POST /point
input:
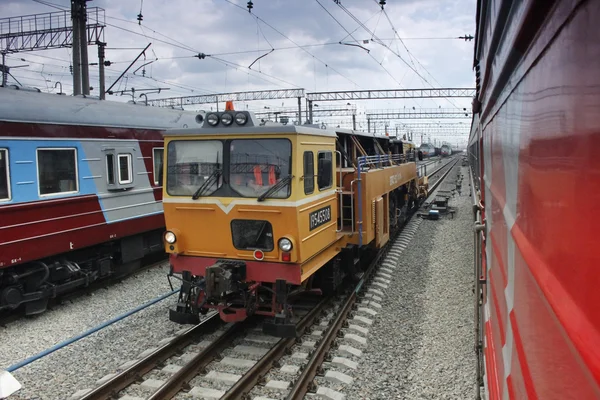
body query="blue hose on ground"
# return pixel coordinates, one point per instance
(67, 342)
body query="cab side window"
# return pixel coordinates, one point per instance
(309, 172)
(325, 177)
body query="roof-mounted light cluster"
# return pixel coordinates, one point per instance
(227, 118)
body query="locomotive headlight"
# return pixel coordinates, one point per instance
(285, 244)
(241, 118)
(212, 119)
(226, 119)
(170, 237)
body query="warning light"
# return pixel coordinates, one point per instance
(259, 255)
(229, 106)
(286, 257)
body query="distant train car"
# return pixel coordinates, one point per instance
(257, 215)
(427, 149)
(80, 191)
(446, 150)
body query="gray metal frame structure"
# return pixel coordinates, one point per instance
(45, 31)
(75, 29)
(385, 95)
(421, 113)
(179, 102)
(390, 94)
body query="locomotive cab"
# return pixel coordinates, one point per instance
(245, 204)
(253, 215)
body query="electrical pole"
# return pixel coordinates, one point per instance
(76, 48)
(83, 41)
(4, 69)
(102, 85)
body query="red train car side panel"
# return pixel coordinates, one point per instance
(541, 130)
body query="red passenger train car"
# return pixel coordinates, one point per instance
(534, 152)
(80, 191)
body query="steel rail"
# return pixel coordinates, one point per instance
(255, 374)
(180, 380)
(441, 178)
(135, 372)
(304, 382)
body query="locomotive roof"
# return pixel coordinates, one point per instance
(252, 130)
(270, 130)
(45, 108)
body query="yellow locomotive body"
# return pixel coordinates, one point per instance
(256, 214)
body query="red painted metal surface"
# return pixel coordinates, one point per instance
(541, 134)
(256, 271)
(29, 130)
(40, 229)
(66, 226)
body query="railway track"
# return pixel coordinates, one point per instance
(204, 358)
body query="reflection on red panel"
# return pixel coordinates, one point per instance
(554, 111)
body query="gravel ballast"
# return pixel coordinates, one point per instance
(80, 365)
(420, 345)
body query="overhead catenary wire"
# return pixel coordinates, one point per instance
(350, 34)
(256, 74)
(296, 44)
(412, 57)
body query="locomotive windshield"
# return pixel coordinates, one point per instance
(256, 165)
(191, 165)
(254, 168)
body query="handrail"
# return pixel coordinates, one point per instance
(359, 216)
(381, 159)
(352, 204)
(339, 189)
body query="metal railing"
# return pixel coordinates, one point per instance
(381, 160)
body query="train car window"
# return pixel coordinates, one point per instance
(257, 165)
(110, 169)
(157, 154)
(309, 172)
(252, 234)
(4, 176)
(125, 169)
(191, 163)
(325, 178)
(57, 171)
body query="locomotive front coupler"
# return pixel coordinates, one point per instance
(223, 277)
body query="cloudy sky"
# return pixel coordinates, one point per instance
(305, 36)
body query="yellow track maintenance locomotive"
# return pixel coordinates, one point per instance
(257, 213)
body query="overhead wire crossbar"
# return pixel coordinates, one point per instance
(222, 97)
(422, 113)
(47, 31)
(390, 94)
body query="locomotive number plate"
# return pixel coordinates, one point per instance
(319, 217)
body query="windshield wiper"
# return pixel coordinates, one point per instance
(279, 185)
(211, 180)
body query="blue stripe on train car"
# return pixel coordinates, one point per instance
(24, 169)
